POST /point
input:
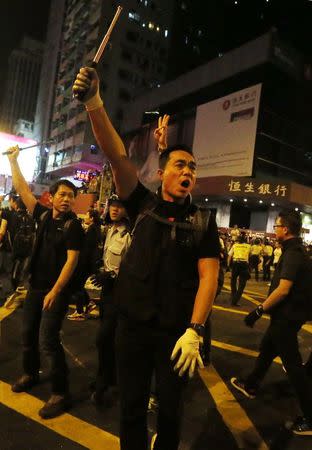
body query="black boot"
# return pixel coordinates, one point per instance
(24, 383)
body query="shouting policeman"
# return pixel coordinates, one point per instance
(167, 281)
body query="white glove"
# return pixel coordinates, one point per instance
(188, 346)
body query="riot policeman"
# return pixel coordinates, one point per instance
(166, 284)
(240, 268)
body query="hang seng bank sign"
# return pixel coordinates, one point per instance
(263, 189)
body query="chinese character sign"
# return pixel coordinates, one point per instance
(234, 186)
(262, 189)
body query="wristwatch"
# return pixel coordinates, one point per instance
(259, 310)
(199, 328)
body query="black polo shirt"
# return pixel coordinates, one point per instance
(294, 265)
(51, 253)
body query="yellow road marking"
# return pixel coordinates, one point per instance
(233, 415)
(237, 311)
(5, 312)
(77, 430)
(222, 308)
(306, 327)
(236, 349)
(247, 297)
(258, 294)
(251, 299)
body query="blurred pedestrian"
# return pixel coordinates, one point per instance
(289, 305)
(239, 256)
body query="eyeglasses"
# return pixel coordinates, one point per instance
(277, 226)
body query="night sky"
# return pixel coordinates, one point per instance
(19, 17)
(238, 22)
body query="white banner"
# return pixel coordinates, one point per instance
(225, 134)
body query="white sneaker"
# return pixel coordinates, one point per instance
(76, 316)
(20, 289)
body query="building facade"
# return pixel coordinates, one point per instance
(22, 85)
(134, 61)
(282, 162)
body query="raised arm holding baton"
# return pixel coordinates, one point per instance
(100, 50)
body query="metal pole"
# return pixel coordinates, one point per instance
(49, 141)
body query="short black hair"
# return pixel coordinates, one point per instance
(164, 156)
(20, 204)
(95, 215)
(291, 220)
(13, 197)
(54, 188)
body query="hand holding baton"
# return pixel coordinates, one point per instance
(38, 144)
(100, 50)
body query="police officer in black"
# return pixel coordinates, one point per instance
(54, 258)
(289, 305)
(166, 285)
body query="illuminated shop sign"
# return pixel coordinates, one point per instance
(84, 175)
(260, 188)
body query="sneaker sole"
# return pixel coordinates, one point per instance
(302, 433)
(76, 319)
(241, 389)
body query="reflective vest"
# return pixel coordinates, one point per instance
(256, 250)
(241, 252)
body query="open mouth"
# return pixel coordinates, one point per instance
(185, 183)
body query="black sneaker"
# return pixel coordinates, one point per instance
(308, 368)
(24, 383)
(102, 398)
(235, 302)
(302, 427)
(55, 406)
(241, 386)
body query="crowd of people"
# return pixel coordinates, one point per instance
(159, 268)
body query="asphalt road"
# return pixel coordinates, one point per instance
(215, 417)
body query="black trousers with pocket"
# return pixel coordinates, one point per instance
(105, 343)
(143, 348)
(281, 339)
(240, 272)
(44, 326)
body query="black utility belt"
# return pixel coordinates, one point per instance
(240, 261)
